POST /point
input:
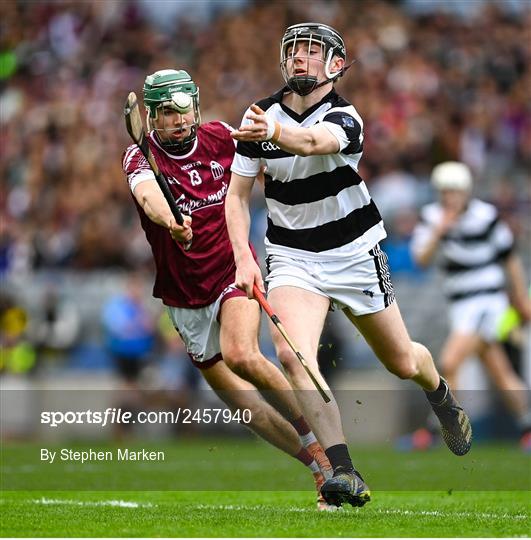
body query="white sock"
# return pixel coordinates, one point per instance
(314, 467)
(307, 439)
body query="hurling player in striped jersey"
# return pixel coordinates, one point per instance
(476, 252)
(322, 241)
(217, 322)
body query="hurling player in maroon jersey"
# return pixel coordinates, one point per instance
(217, 322)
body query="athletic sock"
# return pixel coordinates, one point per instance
(300, 425)
(308, 439)
(306, 435)
(306, 459)
(314, 467)
(339, 457)
(437, 396)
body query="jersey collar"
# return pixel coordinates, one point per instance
(308, 112)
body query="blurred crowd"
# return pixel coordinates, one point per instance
(431, 83)
(430, 86)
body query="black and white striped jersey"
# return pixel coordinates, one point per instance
(472, 252)
(318, 206)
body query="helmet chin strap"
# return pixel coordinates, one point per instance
(177, 147)
(302, 85)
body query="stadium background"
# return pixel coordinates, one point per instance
(432, 80)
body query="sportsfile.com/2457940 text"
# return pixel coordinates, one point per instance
(113, 415)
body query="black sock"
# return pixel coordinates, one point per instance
(339, 457)
(437, 396)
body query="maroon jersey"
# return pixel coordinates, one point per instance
(199, 181)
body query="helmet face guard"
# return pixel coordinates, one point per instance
(331, 44)
(175, 90)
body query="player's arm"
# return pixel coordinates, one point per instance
(238, 219)
(427, 239)
(424, 256)
(503, 240)
(313, 141)
(150, 198)
(517, 288)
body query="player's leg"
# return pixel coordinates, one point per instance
(201, 330)
(458, 347)
(240, 321)
(303, 313)
(266, 422)
(512, 388)
(386, 334)
(240, 394)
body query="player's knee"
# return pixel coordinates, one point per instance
(409, 371)
(404, 367)
(448, 369)
(288, 360)
(240, 360)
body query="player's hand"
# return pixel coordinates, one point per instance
(247, 274)
(449, 219)
(182, 233)
(261, 127)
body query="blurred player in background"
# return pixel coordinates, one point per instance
(129, 330)
(216, 321)
(477, 255)
(322, 241)
(129, 336)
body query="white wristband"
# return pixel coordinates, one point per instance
(270, 128)
(274, 130)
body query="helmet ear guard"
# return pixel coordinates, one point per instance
(331, 44)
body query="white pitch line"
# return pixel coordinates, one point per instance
(248, 507)
(438, 513)
(71, 502)
(413, 513)
(19, 469)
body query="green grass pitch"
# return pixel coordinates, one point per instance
(243, 488)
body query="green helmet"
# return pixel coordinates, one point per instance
(174, 89)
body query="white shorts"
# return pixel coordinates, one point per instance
(478, 315)
(363, 285)
(200, 328)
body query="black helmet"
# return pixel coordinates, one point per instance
(329, 40)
